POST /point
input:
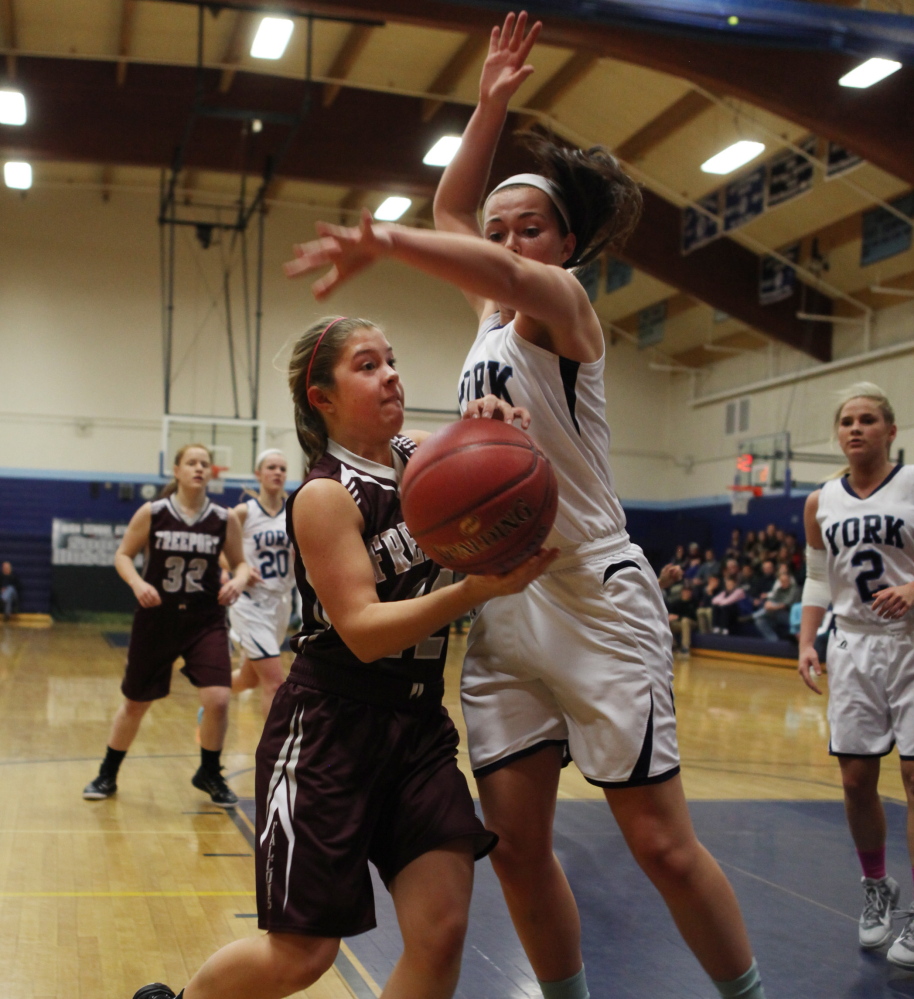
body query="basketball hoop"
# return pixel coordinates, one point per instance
(739, 501)
(216, 485)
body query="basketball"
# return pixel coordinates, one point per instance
(479, 496)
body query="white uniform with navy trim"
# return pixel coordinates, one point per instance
(260, 616)
(869, 545)
(583, 656)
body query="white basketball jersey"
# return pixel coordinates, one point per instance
(869, 543)
(567, 405)
(268, 549)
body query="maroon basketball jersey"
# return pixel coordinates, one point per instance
(182, 560)
(402, 570)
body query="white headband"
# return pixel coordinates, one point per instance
(544, 184)
(266, 454)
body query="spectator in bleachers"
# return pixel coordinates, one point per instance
(679, 557)
(704, 613)
(730, 569)
(684, 617)
(726, 606)
(710, 567)
(765, 580)
(693, 563)
(773, 618)
(10, 589)
(735, 548)
(772, 539)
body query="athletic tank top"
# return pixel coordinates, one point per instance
(869, 543)
(402, 570)
(268, 549)
(182, 558)
(567, 405)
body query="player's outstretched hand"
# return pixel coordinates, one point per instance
(894, 601)
(229, 592)
(505, 67)
(490, 407)
(147, 595)
(486, 587)
(809, 668)
(347, 249)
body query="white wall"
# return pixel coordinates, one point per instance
(80, 350)
(81, 338)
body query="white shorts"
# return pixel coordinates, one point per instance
(582, 658)
(871, 691)
(260, 622)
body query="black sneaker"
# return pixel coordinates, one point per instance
(102, 787)
(155, 991)
(214, 785)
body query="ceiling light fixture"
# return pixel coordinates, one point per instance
(272, 38)
(443, 151)
(17, 175)
(869, 72)
(392, 208)
(733, 157)
(12, 108)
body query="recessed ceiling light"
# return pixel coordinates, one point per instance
(729, 159)
(17, 175)
(392, 208)
(272, 38)
(443, 151)
(869, 72)
(12, 107)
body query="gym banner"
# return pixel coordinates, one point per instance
(840, 161)
(618, 274)
(885, 234)
(791, 173)
(744, 199)
(81, 542)
(650, 325)
(778, 280)
(699, 227)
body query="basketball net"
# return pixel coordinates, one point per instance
(216, 485)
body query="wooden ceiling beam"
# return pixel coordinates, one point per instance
(679, 114)
(569, 75)
(10, 35)
(450, 75)
(125, 38)
(235, 48)
(345, 60)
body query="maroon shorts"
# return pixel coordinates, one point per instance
(340, 782)
(160, 635)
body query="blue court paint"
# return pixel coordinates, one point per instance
(792, 865)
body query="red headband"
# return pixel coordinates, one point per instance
(338, 319)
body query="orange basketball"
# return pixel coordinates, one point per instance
(479, 496)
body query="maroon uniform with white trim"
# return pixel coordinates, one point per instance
(357, 761)
(182, 563)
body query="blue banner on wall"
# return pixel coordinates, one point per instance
(744, 199)
(884, 234)
(650, 325)
(700, 227)
(791, 173)
(839, 161)
(618, 274)
(589, 276)
(778, 280)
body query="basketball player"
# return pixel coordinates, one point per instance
(181, 612)
(588, 670)
(860, 558)
(357, 760)
(260, 616)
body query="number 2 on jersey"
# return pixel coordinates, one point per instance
(874, 572)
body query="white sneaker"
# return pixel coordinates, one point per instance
(902, 950)
(875, 926)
